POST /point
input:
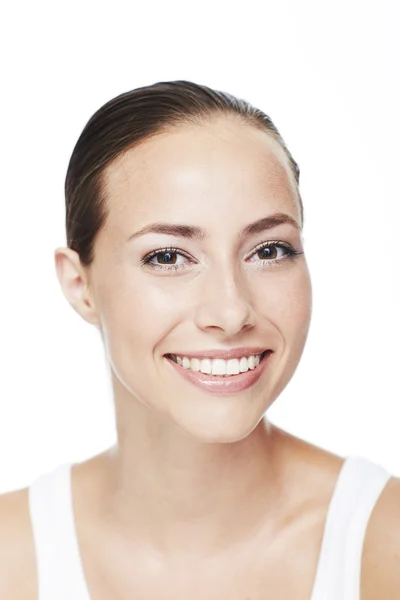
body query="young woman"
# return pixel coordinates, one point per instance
(184, 249)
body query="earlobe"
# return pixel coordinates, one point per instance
(74, 284)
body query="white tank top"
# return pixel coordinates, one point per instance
(58, 560)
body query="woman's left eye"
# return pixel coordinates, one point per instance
(268, 250)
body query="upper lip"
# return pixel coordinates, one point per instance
(224, 354)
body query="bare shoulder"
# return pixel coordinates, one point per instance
(17, 554)
(380, 571)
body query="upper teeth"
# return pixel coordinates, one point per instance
(218, 366)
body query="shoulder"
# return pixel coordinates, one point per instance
(17, 553)
(380, 570)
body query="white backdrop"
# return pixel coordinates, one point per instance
(328, 74)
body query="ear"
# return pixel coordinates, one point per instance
(73, 278)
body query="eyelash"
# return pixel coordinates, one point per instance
(291, 255)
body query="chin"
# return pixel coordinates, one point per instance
(219, 428)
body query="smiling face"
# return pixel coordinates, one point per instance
(215, 291)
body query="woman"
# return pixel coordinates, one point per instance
(184, 232)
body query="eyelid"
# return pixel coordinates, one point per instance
(172, 249)
(278, 243)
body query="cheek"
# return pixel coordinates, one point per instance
(287, 302)
(298, 309)
(137, 316)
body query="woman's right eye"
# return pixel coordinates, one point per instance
(168, 263)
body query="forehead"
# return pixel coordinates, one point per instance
(222, 157)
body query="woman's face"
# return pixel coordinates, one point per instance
(213, 293)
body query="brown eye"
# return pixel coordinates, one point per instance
(166, 259)
(168, 255)
(267, 252)
(271, 253)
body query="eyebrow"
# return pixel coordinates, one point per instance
(194, 232)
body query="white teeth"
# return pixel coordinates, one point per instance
(244, 364)
(195, 364)
(205, 366)
(218, 366)
(233, 366)
(185, 363)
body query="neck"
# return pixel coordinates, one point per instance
(179, 495)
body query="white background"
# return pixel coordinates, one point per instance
(328, 74)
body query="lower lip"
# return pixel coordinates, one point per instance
(223, 385)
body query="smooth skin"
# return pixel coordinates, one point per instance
(202, 496)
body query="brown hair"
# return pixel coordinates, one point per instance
(124, 122)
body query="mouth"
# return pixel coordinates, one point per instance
(259, 359)
(222, 384)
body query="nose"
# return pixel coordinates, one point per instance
(224, 303)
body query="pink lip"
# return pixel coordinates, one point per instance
(223, 385)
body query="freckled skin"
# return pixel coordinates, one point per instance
(196, 457)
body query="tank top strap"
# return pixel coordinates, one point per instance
(358, 487)
(58, 561)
